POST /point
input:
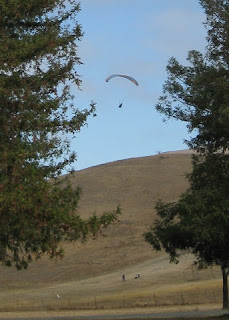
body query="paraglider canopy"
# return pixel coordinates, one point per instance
(123, 76)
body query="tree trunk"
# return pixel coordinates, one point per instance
(225, 288)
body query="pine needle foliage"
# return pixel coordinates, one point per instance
(38, 66)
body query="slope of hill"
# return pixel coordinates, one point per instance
(134, 184)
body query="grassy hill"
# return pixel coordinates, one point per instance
(95, 268)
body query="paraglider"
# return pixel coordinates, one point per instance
(123, 76)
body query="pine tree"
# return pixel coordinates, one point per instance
(38, 66)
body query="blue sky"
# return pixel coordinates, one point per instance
(136, 38)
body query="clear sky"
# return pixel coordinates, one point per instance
(136, 38)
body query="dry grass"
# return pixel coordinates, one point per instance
(90, 275)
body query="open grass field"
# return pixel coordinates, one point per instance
(89, 277)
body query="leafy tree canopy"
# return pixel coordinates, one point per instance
(217, 25)
(198, 94)
(199, 220)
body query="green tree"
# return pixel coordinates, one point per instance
(199, 221)
(198, 94)
(218, 29)
(38, 60)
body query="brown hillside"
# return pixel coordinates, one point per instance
(134, 184)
